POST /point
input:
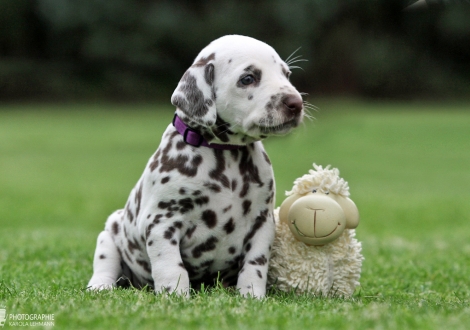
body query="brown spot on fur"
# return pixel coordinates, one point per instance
(246, 206)
(208, 245)
(266, 158)
(132, 246)
(169, 233)
(218, 172)
(144, 264)
(190, 231)
(155, 161)
(229, 227)
(181, 163)
(157, 218)
(259, 221)
(129, 214)
(234, 184)
(269, 200)
(186, 205)
(138, 198)
(201, 200)
(204, 60)
(210, 218)
(260, 261)
(213, 187)
(149, 229)
(116, 228)
(180, 145)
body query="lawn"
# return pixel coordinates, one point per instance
(63, 169)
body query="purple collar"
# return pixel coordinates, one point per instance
(192, 137)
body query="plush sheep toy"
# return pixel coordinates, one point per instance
(314, 249)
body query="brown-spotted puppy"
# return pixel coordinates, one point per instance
(203, 208)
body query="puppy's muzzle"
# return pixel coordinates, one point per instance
(293, 104)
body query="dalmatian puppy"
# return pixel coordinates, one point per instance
(203, 208)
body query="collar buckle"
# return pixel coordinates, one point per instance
(195, 139)
(192, 137)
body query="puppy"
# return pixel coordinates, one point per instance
(203, 208)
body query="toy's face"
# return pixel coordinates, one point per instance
(317, 218)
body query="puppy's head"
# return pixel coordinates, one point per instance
(238, 91)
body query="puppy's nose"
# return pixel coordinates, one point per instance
(294, 103)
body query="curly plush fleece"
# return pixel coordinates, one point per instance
(332, 270)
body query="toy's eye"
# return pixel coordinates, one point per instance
(247, 80)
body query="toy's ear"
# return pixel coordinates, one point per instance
(195, 93)
(285, 207)
(350, 211)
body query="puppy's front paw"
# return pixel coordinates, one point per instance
(184, 292)
(99, 283)
(172, 284)
(100, 287)
(251, 291)
(254, 285)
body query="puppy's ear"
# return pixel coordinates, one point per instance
(195, 93)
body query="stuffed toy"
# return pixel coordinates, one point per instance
(314, 249)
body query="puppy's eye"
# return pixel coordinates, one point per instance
(314, 190)
(247, 80)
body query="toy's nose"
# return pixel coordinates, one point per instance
(316, 219)
(322, 225)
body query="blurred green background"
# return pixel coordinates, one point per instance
(129, 50)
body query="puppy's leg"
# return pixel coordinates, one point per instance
(253, 274)
(106, 263)
(168, 271)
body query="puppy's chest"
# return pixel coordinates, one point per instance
(216, 237)
(216, 231)
(217, 207)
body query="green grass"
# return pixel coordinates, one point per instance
(63, 169)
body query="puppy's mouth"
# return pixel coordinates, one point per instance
(279, 129)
